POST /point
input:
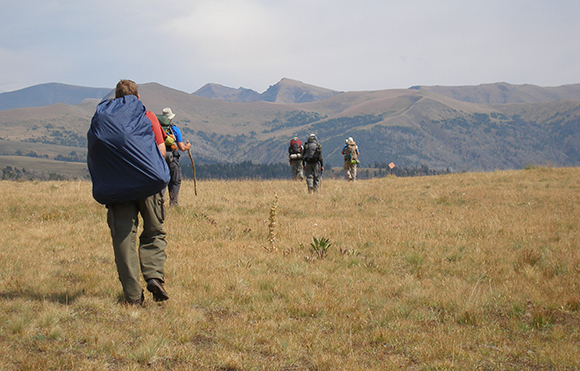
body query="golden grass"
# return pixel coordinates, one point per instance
(464, 271)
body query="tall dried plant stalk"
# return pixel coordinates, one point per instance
(272, 224)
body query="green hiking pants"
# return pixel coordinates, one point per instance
(149, 258)
(312, 174)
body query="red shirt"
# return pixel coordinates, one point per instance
(157, 130)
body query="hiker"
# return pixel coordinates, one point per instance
(350, 152)
(312, 163)
(126, 148)
(295, 158)
(173, 146)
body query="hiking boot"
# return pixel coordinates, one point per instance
(155, 286)
(138, 302)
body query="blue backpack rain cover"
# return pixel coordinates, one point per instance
(123, 158)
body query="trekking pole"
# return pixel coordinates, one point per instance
(193, 168)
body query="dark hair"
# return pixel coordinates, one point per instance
(126, 87)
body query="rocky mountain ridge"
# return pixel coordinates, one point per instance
(285, 91)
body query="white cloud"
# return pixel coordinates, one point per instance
(339, 44)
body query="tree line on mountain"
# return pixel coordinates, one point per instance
(281, 170)
(245, 170)
(72, 157)
(60, 137)
(15, 174)
(292, 119)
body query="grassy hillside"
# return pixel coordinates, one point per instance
(77, 170)
(407, 126)
(464, 271)
(50, 151)
(501, 93)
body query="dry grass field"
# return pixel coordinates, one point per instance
(473, 271)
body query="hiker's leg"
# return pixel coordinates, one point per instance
(122, 220)
(297, 170)
(175, 181)
(152, 241)
(315, 177)
(309, 173)
(346, 168)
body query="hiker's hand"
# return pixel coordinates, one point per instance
(322, 168)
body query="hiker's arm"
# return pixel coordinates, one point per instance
(179, 139)
(183, 147)
(162, 149)
(157, 132)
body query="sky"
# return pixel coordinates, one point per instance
(344, 45)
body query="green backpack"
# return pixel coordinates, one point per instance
(166, 126)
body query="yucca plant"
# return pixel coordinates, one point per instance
(319, 247)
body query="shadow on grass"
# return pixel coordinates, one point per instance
(65, 298)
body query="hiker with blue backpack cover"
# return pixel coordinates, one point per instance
(126, 149)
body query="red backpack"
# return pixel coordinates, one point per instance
(295, 146)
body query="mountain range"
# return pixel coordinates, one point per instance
(463, 128)
(285, 91)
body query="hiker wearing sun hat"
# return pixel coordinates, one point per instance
(350, 152)
(312, 163)
(172, 153)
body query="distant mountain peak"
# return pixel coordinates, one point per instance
(49, 93)
(284, 91)
(220, 92)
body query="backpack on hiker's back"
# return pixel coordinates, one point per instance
(166, 125)
(351, 153)
(123, 157)
(311, 151)
(295, 149)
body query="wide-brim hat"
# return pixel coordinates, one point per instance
(167, 112)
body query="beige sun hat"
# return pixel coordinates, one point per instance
(167, 112)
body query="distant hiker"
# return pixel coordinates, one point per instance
(312, 163)
(295, 156)
(126, 146)
(350, 152)
(174, 144)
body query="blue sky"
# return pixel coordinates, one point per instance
(343, 45)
